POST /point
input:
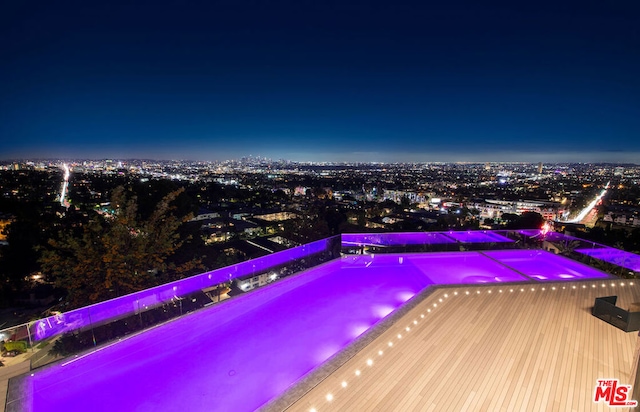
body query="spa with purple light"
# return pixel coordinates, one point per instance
(242, 353)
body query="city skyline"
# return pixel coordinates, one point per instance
(357, 158)
(344, 82)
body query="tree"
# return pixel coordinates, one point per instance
(527, 220)
(119, 252)
(19, 259)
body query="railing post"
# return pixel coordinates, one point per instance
(93, 335)
(29, 335)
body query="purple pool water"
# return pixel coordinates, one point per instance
(240, 354)
(627, 260)
(545, 266)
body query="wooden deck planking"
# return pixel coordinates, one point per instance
(526, 350)
(548, 363)
(485, 340)
(542, 363)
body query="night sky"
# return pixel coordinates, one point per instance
(321, 80)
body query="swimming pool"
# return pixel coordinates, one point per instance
(242, 353)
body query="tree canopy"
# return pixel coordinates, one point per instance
(118, 251)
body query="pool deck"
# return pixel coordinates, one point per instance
(522, 350)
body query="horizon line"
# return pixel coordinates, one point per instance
(268, 159)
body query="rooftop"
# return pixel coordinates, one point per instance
(410, 321)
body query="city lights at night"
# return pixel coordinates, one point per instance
(319, 206)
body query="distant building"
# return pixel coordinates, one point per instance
(277, 216)
(494, 209)
(629, 218)
(205, 214)
(397, 195)
(540, 168)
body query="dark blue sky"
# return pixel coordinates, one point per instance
(321, 80)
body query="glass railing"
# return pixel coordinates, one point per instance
(16, 340)
(407, 242)
(75, 331)
(604, 258)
